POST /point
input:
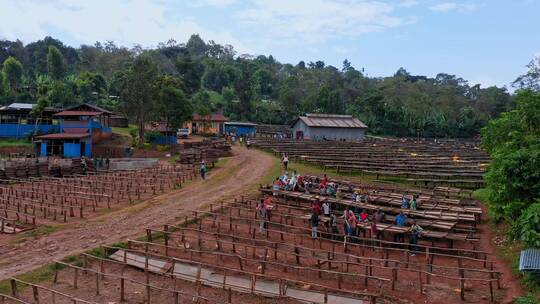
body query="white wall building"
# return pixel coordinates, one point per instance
(328, 126)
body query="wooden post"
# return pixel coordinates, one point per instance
(253, 282)
(35, 294)
(55, 273)
(97, 284)
(462, 279)
(240, 263)
(394, 278)
(122, 290)
(148, 235)
(176, 301)
(13, 288)
(75, 278)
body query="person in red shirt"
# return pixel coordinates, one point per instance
(364, 216)
(316, 206)
(268, 204)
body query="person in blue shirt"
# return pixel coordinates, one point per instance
(405, 202)
(401, 221)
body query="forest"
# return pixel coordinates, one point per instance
(174, 80)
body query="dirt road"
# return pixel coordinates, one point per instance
(237, 176)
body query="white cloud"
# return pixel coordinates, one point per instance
(125, 22)
(451, 6)
(318, 20)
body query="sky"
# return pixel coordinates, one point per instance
(488, 42)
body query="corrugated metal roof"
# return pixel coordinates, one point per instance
(76, 130)
(240, 123)
(64, 136)
(77, 113)
(529, 260)
(17, 105)
(331, 121)
(81, 107)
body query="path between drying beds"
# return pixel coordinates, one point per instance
(236, 177)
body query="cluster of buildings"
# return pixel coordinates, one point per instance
(69, 132)
(310, 126)
(72, 132)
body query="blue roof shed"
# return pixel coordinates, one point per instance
(530, 260)
(240, 128)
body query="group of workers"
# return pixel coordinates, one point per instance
(353, 223)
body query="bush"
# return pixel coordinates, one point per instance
(527, 226)
(151, 136)
(528, 299)
(133, 132)
(513, 142)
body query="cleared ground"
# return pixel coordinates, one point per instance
(239, 174)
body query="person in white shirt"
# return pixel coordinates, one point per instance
(326, 208)
(285, 161)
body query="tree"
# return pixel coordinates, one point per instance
(55, 63)
(2, 85)
(531, 80)
(347, 66)
(174, 107)
(513, 141)
(140, 92)
(191, 71)
(196, 46)
(63, 94)
(244, 88)
(13, 71)
(42, 103)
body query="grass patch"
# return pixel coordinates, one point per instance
(222, 162)
(173, 159)
(482, 195)
(35, 233)
(12, 142)
(306, 168)
(37, 276)
(125, 131)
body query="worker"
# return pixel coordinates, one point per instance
(203, 169)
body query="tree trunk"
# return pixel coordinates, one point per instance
(141, 133)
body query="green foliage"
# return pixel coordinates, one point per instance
(2, 85)
(13, 71)
(11, 142)
(140, 92)
(55, 63)
(513, 178)
(174, 107)
(531, 79)
(150, 136)
(245, 87)
(133, 132)
(528, 299)
(191, 70)
(527, 226)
